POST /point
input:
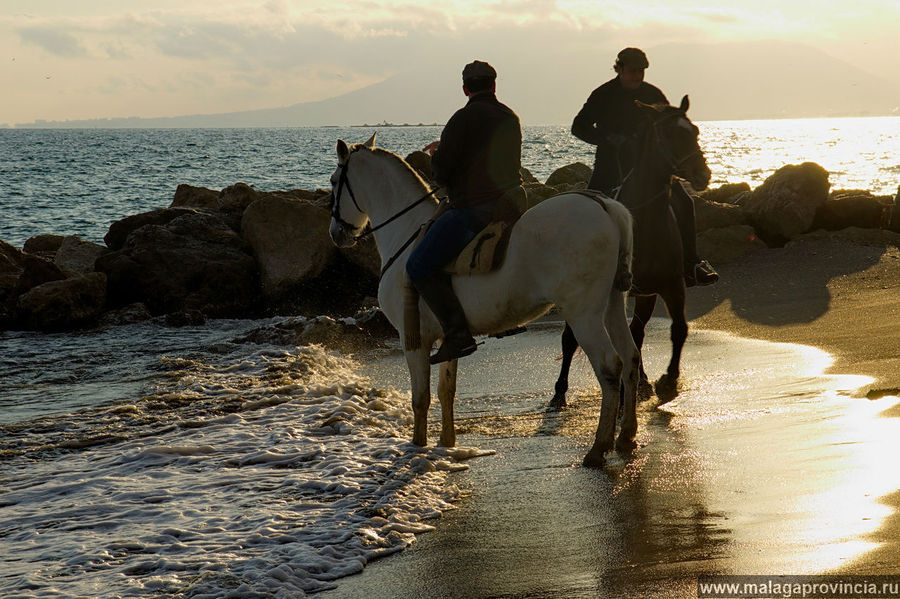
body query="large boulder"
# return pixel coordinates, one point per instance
(290, 241)
(535, 193)
(714, 215)
(192, 262)
(121, 229)
(727, 244)
(44, 245)
(785, 205)
(19, 272)
(725, 194)
(76, 257)
(571, 176)
(63, 305)
(854, 208)
(188, 196)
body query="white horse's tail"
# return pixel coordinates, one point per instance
(622, 218)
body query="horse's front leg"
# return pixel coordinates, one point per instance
(446, 395)
(643, 310)
(667, 385)
(569, 345)
(420, 383)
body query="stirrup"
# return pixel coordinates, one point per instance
(452, 349)
(701, 274)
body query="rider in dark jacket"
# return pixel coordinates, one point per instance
(478, 159)
(610, 119)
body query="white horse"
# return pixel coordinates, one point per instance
(565, 252)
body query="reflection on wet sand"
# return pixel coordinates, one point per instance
(761, 465)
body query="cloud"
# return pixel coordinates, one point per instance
(53, 40)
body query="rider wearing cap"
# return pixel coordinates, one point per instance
(478, 159)
(610, 120)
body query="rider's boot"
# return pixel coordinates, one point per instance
(700, 273)
(438, 294)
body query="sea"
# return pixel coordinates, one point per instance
(150, 461)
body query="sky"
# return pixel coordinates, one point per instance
(66, 60)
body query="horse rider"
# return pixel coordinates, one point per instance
(610, 119)
(477, 159)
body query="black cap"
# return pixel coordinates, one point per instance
(478, 70)
(634, 58)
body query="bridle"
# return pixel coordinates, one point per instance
(675, 163)
(344, 181)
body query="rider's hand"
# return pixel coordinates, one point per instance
(430, 148)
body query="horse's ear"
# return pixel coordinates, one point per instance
(685, 103)
(371, 143)
(343, 151)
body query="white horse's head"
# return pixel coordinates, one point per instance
(348, 218)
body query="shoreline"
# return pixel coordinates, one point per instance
(841, 297)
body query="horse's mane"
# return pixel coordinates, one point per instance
(405, 166)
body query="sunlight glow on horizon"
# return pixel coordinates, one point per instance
(165, 57)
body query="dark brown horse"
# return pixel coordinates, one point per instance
(667, 147)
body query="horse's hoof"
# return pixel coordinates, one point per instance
(644, 390)
(420, 441)
(594, 460)
(558, 402)
(625, 446)
(666, 388)
(447, 442)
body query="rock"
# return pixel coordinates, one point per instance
(727, 244)
(120, 230)
(20, 272)
(63, 305)
(44, 245)
(76, 257)
(236, 198)
(527, 177)
(192, 262)
(365, 255)
(185, 318)
(725, 194)
(535, 193)
(785, 205)
(713, 215)
(188, 196)
(571, 176)
(421, 163)
(290, 241)
(345, 335)
(130, 314)
(854, 209)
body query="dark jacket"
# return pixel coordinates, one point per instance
(480, 154)
(610, 111)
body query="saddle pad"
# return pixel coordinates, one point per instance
(485, 253)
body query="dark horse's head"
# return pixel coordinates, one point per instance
(675, 137)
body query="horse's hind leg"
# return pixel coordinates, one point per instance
(446, 395)
(667, 385)
(643, 310)
(569, 345)
(420, 381)
(617, 325)
(596, 343)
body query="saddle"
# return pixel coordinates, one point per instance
(485, 253)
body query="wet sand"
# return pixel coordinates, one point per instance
(763, 465)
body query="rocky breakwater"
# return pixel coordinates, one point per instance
(242, 253)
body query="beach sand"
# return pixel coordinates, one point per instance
(838, 296)
(763, 464)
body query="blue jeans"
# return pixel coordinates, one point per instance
(446, 238)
